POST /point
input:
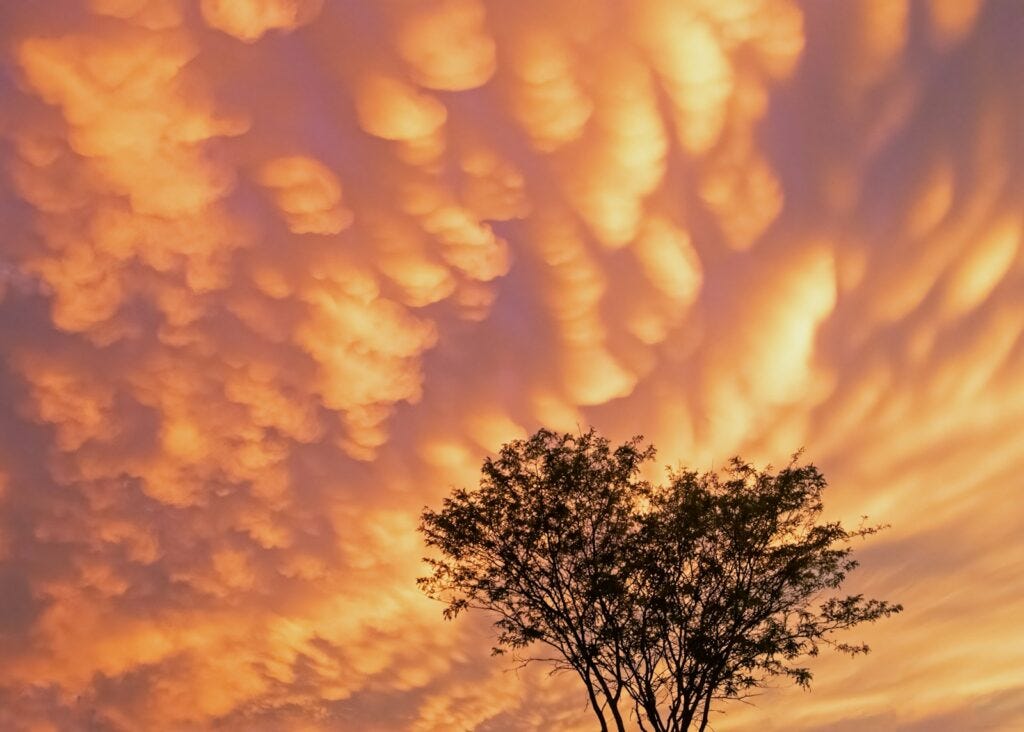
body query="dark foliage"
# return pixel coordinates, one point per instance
(663, 599)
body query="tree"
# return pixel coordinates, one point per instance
(662, 599)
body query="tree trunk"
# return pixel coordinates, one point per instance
(705, 713)
(594, 704)
(613, 705)
(687, 718)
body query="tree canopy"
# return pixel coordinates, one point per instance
(663, 599)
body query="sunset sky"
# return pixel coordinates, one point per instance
(276, 274)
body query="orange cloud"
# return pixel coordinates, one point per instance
(446, 43)
(277, 273)
(248, 20)
(307, 193)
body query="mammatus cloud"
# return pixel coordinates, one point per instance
(276, 273)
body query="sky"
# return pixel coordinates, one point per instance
(277, 274)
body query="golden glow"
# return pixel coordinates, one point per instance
(446, 44)
(248, 20)
(545, 95)
(951, 20)
(308, 194)
(277, 273)
(394, 110)
(983, 266)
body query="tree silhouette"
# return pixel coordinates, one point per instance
(662, 599)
